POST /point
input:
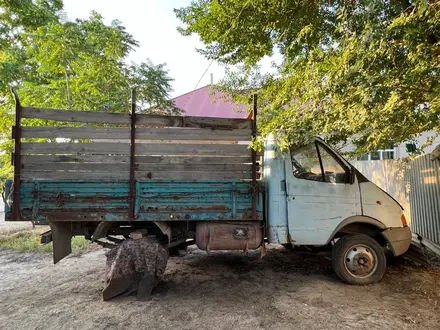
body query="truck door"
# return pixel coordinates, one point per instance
(321, 192)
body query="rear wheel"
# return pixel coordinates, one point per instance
(358, 259)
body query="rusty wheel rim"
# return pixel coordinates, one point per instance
(360, 261)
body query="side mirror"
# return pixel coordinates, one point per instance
(352, 175)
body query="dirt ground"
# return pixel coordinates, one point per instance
(10, 227)
(223, 290)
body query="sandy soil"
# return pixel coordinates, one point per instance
(223, 290)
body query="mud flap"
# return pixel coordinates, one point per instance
(134, 266)
(62, 239)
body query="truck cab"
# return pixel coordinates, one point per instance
(316, 198)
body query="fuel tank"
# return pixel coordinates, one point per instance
(229, 235)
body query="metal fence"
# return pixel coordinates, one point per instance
(424, 178)
(415, 184)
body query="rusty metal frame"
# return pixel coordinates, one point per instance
(16, 158)
(254, 160)
(132, 154)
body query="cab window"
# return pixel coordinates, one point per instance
(333, 170)
(305, 162)
(315, 162)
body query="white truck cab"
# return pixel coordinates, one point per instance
(317, 198)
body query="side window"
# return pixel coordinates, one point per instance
(333, 170)
(305, 163)
(314, 162)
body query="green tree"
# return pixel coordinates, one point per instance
(81, 64)
(364, 71)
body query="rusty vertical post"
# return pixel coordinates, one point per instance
(254, 161)
(17, 159)
(132, 153)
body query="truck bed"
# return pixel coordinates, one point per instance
(84, 168)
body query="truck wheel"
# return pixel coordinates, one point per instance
(358, 259)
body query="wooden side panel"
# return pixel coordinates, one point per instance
(106, 200)
(166, 147)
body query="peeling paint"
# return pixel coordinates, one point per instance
(156, 200)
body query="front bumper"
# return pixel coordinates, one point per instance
(399, 239)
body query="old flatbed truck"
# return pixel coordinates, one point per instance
(189, 180)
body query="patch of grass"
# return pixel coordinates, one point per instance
(28, 240)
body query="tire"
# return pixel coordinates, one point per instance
(358, 259)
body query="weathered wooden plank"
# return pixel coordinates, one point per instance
(101, 117)
(145, 133)
(29, 174)
(89, 167)
(36, 159)
(104, 167)
(141, 149)
(140, 175)
(97, 117)
(193, 175)
(76, 132)
(213, 159)
(201, 122)
(174, 133)
(193, 167)
(191, 149)
(75, 148)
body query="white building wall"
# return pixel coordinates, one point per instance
(400, 150)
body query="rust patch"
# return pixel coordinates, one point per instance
(81, 215)
(61, 199)
(216, 207)
(183, 208)
(246, 216)
(178, 196)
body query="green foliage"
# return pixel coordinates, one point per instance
(80, 64)
(28, 240)
(366, 72)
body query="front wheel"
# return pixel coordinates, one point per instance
(358, 259)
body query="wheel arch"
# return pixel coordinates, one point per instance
(360, 224)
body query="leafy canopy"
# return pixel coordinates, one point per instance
(81, 64)
(364, 71)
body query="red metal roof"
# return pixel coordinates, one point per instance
(208, 102)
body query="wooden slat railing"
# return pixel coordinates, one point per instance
(167, 147)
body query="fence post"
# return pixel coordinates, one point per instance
(132, 154)
(17, 158)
